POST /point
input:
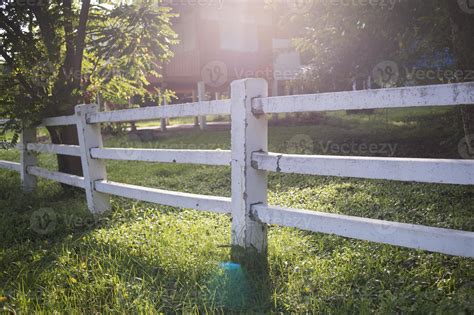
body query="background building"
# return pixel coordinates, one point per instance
(221, 41)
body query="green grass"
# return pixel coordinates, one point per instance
(146, 258)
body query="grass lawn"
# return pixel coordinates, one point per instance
(146, 258)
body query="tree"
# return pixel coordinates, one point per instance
(462, 33)
(58, 54)
(346, 41)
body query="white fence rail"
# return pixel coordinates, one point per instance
(10, 166)
(63, 149)
(220, 107)
(446, 241)
(439, 171)
(164, 197)
(421, 96)
(63, 178)
(59, 121)
(250, 162)
(204, 157)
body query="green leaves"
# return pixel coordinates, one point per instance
(50, 70)
(343, 42)
(128, 47)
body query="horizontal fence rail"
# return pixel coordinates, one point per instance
(62, 149)
(204, 157)
(63, 178)
(12, 166)
(221, 107)
(164, 197)
(432, 95)
(440, 171)
(59, 121)
(446, 241)
(250, 163)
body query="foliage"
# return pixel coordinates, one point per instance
(128, 47)
(57, 54)
(344, 42)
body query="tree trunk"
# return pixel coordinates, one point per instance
(66, 135)
(462, 30)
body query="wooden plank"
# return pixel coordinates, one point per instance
(440, 171)
(62, 149)
(445, 241)
(27, 159)
(431, 95)
(12, 166)
(204, 157)
(164, 197)
(59, 121)
(249, 186)
(220, 107)
(68, 179)
(90, 137)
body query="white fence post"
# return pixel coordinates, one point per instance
(27, 159)
(93, 169)
(202, 98)
(249, 186)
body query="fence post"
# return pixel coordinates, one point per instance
(249, 186)
(93, 169)
(27, 158)
(202, 98)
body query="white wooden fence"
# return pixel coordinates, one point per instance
(250, 162)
